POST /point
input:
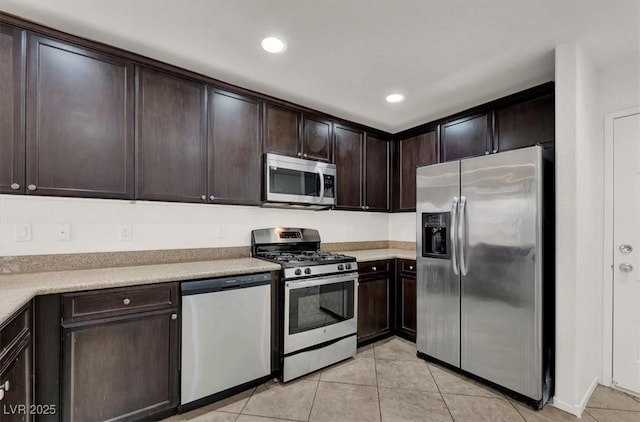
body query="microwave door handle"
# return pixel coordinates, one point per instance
(453, 235)
(319, 170)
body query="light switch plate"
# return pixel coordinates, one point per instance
(22, 232)
(63, 232)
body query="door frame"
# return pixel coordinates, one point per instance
(607, 268)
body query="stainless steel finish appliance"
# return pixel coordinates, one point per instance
(294, 181)
(485, 281)
(226, 334)
(319, 297)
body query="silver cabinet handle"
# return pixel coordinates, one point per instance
(32, 187)
(174, 316)
(1, 393)
(374, 268)
(625, 268)
(453, 238)
(462, 233)
(126, 301)
(212, 197)
(203, 197)
(6, 385)
(15, 186)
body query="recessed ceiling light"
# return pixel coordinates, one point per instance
(395, 98)
(273, 45)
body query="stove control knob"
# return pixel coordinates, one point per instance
(340, 267)
(307, 270)
(348, 266)
(298, 272)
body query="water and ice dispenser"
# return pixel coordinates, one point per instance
(435, 235)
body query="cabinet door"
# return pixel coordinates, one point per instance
(373, 307)
(417, 151)
(467, 137)
(171, 140)
(79, 121)
(525, 124)
(121, 368)
(15, 405)
(235, 162)
(12, 65)
(282, 130)
(316, 139)
(376, 174)
(407, 305)
(348, 159)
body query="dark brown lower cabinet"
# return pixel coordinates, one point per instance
(16, 351)
(375, 301)
(406, 299)
(122, 367)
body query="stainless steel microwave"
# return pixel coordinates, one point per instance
(293, 181)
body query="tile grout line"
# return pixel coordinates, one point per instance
(439, 391)
(315, 393)
(375, 367)
(516, 409)
(249, 398)
(593, 417)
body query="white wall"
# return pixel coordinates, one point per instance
(402, 226)
(579, 233)
(95, 224)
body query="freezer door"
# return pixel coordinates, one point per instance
(438, 288)
(501, 269)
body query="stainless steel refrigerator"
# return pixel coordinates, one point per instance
(485, 270)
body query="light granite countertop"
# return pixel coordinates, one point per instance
(18, 289)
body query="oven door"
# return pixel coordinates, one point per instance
(318, 310)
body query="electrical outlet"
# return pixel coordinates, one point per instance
(221, 230)
(124, 232)
(63, 232)
(22, 232)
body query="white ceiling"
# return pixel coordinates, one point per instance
(344, 56)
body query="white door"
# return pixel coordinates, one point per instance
(626, 262)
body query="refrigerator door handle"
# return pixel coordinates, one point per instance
(462, 235)
(453, 234)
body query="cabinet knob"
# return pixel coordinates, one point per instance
(495, 150)
(366, 207)
(212, 197)
(304, 155)
(203, 197)
(15, 186)
(32, 187)
(411, 267)
(299, 154)
(487, 153)
(126, 301)
(174, 316)
(374, 268)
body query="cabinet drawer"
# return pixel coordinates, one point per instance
(15, 328)
(407, 266)
(104, 303)
(373, 267)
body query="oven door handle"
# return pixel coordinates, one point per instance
(320, 281)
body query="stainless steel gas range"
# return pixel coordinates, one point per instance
(318, 299)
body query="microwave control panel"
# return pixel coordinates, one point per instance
(435, 235)
(328, 186)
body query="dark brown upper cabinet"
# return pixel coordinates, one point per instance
(171, 137)
(12, 68)
(235, 161)
(525, 124)
(417, 151)
(348, 148)
(282, 130)
(466, 137)
(80, 121)
(376, 178)
(316, 138)
(296, 134)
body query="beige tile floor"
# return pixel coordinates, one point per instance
(386, 382)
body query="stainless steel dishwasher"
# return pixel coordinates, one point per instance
(226, 335)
